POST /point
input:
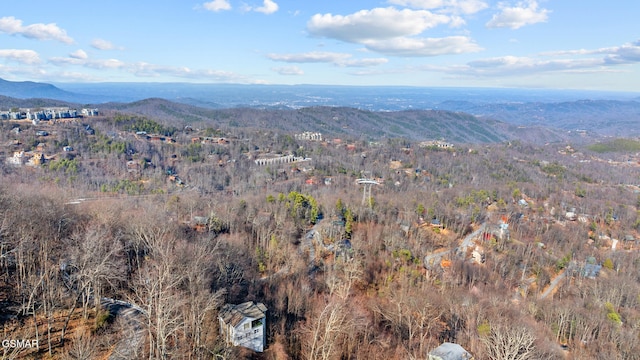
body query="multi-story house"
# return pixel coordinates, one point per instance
(244, 325)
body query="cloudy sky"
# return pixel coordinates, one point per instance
(584, 44)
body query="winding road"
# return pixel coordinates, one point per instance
(134, 334)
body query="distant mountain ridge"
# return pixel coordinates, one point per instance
(418, 125)
(7, 103)
(31, 90)
(554, 109)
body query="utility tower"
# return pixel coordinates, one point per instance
(366, 189)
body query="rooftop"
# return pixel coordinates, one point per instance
(234, 314)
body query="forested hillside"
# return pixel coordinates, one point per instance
(129, 233)
(355, 123)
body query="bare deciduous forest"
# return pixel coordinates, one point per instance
(128, 245)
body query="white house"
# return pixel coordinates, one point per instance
(244, 325)
(18, 158)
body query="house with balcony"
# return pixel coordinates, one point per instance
(244, 325)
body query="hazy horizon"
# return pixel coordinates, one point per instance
(529, 44)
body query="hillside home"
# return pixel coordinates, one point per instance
(309, 136)
(436, 144)
(478, 255)
(590, 271)
(244, 325)
(435, 223)
(449, 351)
(200, 223)
(432, 260)
(571, 216)
(629, 238)
(36, 159)
(133, 166)
(90, 112)
(17, 159)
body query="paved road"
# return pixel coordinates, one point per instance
(468, 239)
(134, 318)
(134, 333)
(555, 282)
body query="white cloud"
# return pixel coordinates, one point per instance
(29, 57)
(375, 24)
(467, 7)
(405, 46)
(102, 44)
(363, 62)
(310, 57)
(288, 70)
(106, 64)
(457, 21)
(512, 65)
(392, 32)
(268, 7)
(217, 5)
(338, 59)
(582, 61)
(89, 63)
(144, 69)
(37, 73)
(78, 54)
(61, 61)
(616, 55)
(515, 17)
(419, 4)
(139, 69)
(11, 25)
(21, 72)
(626, 54)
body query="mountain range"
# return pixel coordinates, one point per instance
(455, 114)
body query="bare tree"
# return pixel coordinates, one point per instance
(82, 347)
(95, 262)
(196, 259)
(327, 330)
(342, 275)
(510, 343)
(156, 289)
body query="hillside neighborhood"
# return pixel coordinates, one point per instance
(259, 243)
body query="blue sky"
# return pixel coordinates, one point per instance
(461, 43)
